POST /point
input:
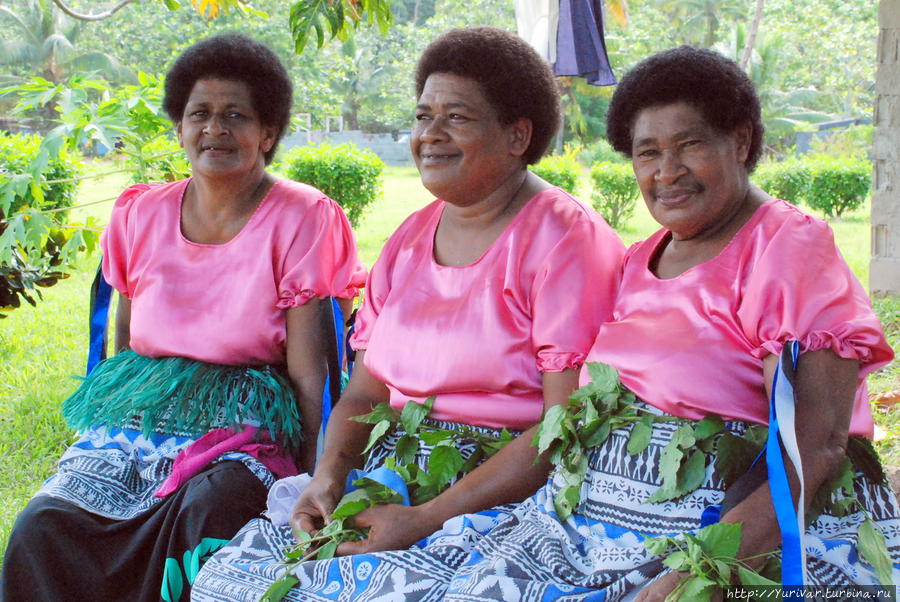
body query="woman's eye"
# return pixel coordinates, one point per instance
(233, 115)
(647, 154)
(422, 117)
(198, 114)
(457, 117)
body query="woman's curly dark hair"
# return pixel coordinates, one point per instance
(714, 85)
(513, 77)
(238, 58)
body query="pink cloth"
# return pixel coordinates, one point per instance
(478, 337)
(213, 444)
(225, 303)
(693, 344)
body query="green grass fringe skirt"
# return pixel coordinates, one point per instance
(172, 394)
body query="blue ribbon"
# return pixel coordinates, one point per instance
(97, 327)
(792, 564)
(383, 475)
(327, 402)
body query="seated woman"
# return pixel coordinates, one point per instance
(704, 309)
(487, 299)
(220, 370)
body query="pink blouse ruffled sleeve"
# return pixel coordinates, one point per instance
(801, 289)
(573, 294)
(116, 240)
(321, 261)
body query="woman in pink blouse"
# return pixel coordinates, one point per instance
(217, 385)
(487, 299)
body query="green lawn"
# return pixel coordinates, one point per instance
(42, 349)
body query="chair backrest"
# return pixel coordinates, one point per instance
(331, 320)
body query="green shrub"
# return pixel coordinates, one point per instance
(17, 151)
(22, 270)
(788, 179)
(161, 160)
(838, 184)
(349, 175)
(599, 151)
(559, 170)
(615, 191)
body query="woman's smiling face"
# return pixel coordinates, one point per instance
(221, 131)
(691, 176)
(459, 144)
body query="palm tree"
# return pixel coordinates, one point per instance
(41, 42)
(699, 20)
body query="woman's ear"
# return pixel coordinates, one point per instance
(178, 134)
(743, 135)
(268, 139)
(520, 136)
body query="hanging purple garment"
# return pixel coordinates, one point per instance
(580, 48)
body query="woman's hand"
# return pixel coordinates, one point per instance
(391, 527)
(659, 588)
(316, 504)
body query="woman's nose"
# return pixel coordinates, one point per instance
(215, 126)
(670, 167)
(432, 129)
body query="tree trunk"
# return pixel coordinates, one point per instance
(751, 36)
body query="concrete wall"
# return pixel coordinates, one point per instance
(392, 152)
(884, 272)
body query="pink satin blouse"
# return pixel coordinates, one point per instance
(225, 303)
(693, 344)
(479, 336)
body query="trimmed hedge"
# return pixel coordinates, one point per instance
(559, 170)
(787, 180)
(17, 151)
(349, 175)
(832, 185)
(615, 192)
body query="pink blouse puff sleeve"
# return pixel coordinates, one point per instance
(800, 288)
(321, 261)
(574, 292)
(117, 238)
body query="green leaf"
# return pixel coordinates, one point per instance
(377, 433)
(406, 449)
(873, 549)
(748, 577)
(708, 427)
(657, 545)
(444, 464)
(676, 560)
(604, 377)
(279, 588)
(600, 436)
(720, 539)
(566, 500)
(734, 456)
(412, 416)
(692, 473)
(352, 503)
(723, 572)
(551, 428)
(327, 551)
(639, 438)
(380, 412)
(697, 589)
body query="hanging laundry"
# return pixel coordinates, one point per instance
(580, 47)
(536, 21)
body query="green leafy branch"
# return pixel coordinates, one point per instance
(709, 560)
(445, 464)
